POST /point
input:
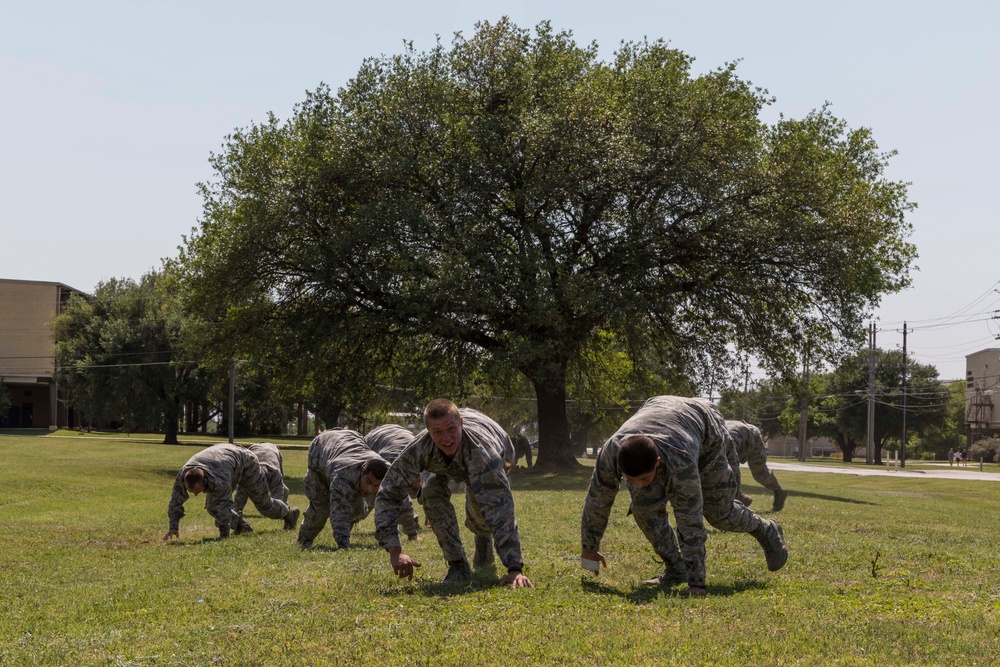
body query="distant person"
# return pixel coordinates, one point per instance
(522, 448)
(674, 449)
(748, 447)
(269, 457)
(463, 446)
(389, 441)
(218, 471)
(342, 478)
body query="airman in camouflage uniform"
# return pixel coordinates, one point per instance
(389, 441)
(748, 447)
(466, 446)
(342, 477)
(687, 466)
(269, 457)
(521, 448)
(218, 471)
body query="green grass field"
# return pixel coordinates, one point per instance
(882, 571)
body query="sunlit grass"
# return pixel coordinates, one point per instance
(883, 571)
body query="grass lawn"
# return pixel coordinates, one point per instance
(882, 571)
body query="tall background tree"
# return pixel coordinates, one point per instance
(121, 357)
(512, 196)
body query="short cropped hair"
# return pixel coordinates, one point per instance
(376, 468)
(440, 407)
(194, 476)
(637, 455)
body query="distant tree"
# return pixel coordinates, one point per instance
(512, 195)
(121, 359)
(762, 406)
(927, 400)
(5, 401)
(938, 438)
(821, 413)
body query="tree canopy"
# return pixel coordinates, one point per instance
(511, 197)
(121, 356)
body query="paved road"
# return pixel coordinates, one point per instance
(947, 472)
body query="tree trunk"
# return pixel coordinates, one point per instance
(849, 450)
(171, 419)
(554, 449)
(170, 430)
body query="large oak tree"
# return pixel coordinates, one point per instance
(513, 195)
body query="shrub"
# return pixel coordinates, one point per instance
(987, 450)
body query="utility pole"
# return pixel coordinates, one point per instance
(902, 447)
(232, 398)
(746, 389)
(870, 437)
(804, 407)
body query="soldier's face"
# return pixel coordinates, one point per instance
(446, 432)
(195, 487)
(370, 484)
(644, 480)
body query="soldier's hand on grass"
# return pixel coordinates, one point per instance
(516, 580)
(595, 556)
(402, 564)
(170, 533)
(414, 538)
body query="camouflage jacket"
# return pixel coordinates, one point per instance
(337, 456)
(223, 464)
(684, 430)
(482, 462)
(389, 441)
(269, 456)
(746, 438)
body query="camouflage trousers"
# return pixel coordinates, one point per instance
(254, 486)
(275, 485)
(757, 460)
(719, 507)
(435, 496)
(317, 489)
(718, 491)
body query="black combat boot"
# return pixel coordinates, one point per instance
(773, 541)
(458, 572)
(675, 573)
(779, 500)
(292, 518)
(744, 498)
(484, 552)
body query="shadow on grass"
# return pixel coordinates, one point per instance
(333, 548)
(759, 490)
(481, 581)
(645, 594)
(181, 542)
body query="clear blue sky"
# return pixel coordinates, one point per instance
(109, 111)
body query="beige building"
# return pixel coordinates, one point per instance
(27, 361)
(982, 385)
